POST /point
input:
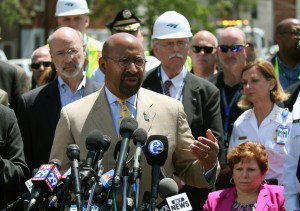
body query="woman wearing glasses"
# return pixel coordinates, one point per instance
(264, 122)
(249, 164)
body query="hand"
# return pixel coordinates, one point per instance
(206, 150)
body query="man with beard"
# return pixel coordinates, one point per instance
(200, 98)
(39, 108)
(232, 57)
(123, 62)
(203, 52)
(286, 61)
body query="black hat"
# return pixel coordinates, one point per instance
(125, 21)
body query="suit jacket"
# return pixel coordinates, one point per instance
(39, 111)
(294, 91)
(13, 169)
(157, 114)
(269, 198)
(9, 82)
(201, 103)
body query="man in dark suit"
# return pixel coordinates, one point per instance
(13, 169)
(39, 109)
(9, 82)
(294, 91)
(200, 98)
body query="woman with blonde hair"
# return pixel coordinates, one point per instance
(264, 121)
(249, 163)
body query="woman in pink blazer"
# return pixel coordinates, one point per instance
(249, 164)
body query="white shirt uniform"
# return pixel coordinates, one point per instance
(291, 183)
(246, 129)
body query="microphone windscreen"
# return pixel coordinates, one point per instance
(167, 187)
(94, 140)
(73, 151)
(128, 124)
(105, 144)
(56, 162)
(139, 135)
(156, 150)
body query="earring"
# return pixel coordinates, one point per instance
(231, 181)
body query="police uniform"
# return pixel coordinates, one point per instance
(245, 129)
(291, 166)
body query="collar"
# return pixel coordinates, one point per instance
(177, 80)
(275, 115)
(280, 63)
(111, 98)
(62, 84)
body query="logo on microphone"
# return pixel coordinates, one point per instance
(156, 147)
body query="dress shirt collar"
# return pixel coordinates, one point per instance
(111, 98)
(65, 86)
(177, 80)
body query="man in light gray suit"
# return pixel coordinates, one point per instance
(123, 62)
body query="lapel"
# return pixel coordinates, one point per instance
(262, 198)
(102, 118)
(152, 81)
(228, 198)
(189, 98)
(52, 104)
(145, 114)
(90, 87)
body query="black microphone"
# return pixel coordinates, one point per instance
(44, 181)
(128, 125)
(156, 153)
(104, 146)
(93, 145)
(167, 187)
(73, 154)
(139, 139)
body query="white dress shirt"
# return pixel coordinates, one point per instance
(246, 129)
(291, 183)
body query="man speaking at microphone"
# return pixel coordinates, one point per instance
(123, 62)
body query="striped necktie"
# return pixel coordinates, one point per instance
(124, 111)
(167, 85)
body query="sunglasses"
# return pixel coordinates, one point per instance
(206, 49)
(233, 48)
(37, 65)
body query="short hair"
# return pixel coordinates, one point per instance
(247, 151)
(50, 38)
(267, 70)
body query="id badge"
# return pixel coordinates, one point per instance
(282, 134)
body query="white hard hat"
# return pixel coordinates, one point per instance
(171, 25)
(71, 7)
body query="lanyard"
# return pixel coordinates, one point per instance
(276, 67)
(227, 109)
(179, 95)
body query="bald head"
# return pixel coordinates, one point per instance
(286, 24)
(232, 34)
(205, 36)
(65, 34)
(122, 39)
(41, 51)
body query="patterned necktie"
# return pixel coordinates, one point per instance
(167, 85)
(124, 112)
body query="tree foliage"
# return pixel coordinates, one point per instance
(15, 12)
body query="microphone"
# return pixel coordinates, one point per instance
(128, 125)
(93, 145)
(104, 146)
(73, 153)
(167, 187)
(139, 139)
(156, 153)
(44, 181)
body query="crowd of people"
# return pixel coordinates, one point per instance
(232, 120)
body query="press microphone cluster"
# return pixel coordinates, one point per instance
(85, 186)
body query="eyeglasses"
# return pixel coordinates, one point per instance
(125, 62)
(37, 65)
(233, 48)
(70, 52)
(206, 49)
(171, 45)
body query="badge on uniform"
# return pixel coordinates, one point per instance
(282, 134)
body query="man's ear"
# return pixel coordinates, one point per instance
(102, 65)
(87, 21)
